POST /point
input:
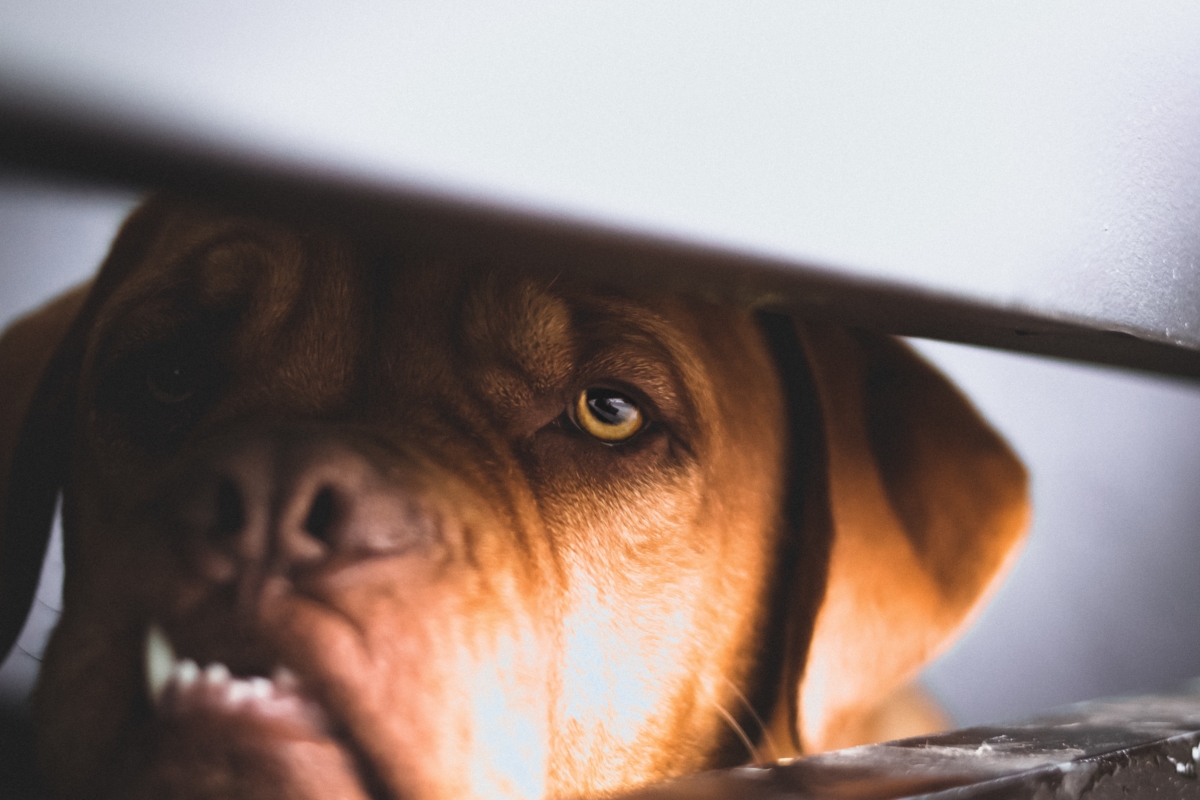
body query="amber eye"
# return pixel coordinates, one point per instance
(171, 380)
(608, 415)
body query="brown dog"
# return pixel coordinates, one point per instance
(337, 525)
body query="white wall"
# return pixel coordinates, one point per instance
(1053, 147)
(1105, 599)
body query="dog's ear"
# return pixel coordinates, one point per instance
(31, 449)
(922, 507)
(40, 358)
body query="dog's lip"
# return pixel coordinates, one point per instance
(179, 687)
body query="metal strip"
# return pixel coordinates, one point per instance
(63, 143)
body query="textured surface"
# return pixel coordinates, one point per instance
(1143, 747)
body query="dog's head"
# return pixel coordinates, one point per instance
(337, 524)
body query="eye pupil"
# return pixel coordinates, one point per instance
(608, 415)
(610, 407)
(171, 382)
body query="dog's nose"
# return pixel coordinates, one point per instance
(279, 505)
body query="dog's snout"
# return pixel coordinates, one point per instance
(230, 509)
(278, 505)
(322, 515)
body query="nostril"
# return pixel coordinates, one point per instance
(231, 513)
(322, 515)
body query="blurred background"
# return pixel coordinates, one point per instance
(1041, 157)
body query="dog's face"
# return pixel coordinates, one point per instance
(343, 526)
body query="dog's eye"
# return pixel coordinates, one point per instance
(608, 415)
(171, 380)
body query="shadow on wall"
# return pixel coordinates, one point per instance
(1102, 602)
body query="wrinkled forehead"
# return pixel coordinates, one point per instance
(200, 261)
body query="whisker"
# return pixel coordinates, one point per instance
(733, 723)
(762, 726)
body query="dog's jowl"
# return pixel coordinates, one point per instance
(345, 524)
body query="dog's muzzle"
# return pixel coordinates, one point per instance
(288, 502)
(250, 515)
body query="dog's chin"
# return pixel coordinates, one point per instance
(212, 734)
(211, 754)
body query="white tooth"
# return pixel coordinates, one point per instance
(216, 672)
(262, 688)
(159, 661)
(186, 672)
(285, 679)
(239, 690)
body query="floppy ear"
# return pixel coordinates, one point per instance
(40, 359)
(924, 507)
(32, 450)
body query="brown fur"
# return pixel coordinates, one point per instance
(503, 606)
